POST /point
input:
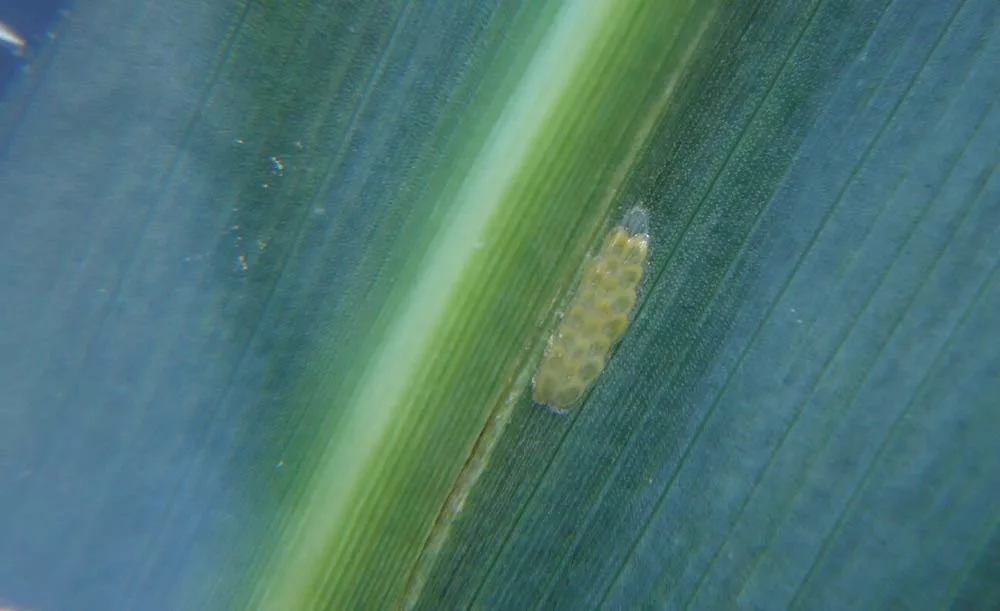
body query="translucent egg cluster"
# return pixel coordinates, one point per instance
(596, 318)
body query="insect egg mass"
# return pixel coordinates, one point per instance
(597, 315)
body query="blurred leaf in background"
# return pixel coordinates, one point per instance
(275, 277)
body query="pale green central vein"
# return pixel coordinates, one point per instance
(381, 398)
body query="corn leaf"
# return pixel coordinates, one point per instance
(277, 277)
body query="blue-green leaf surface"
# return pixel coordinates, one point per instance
(806, 409)
(211, 212)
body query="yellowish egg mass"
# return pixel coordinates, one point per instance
(597, 316)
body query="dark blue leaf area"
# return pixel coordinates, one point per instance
(806, 410)
(191, 200)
